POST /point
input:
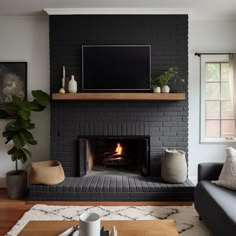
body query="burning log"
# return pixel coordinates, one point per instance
(116, 158)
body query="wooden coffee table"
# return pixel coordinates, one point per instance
(124, 227)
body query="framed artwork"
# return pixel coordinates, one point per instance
(13, 81)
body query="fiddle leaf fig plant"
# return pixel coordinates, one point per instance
(19, 130)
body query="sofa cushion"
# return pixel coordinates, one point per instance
(216, 206)
(227, 176)
(209, 171)
(223, 198)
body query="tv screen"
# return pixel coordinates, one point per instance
(116, 67)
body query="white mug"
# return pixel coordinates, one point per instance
(90, 224)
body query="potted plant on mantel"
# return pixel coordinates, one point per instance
(162, 80)
(18, 131)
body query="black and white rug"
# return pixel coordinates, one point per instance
(186, 217)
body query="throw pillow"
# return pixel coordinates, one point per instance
(227, 176)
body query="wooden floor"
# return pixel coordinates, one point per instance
(12, 210)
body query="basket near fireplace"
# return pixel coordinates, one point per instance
(174, 166)
(46, 172)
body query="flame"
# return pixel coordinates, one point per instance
(119, 149)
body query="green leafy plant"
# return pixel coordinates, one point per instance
(18, 130)
(164, 78)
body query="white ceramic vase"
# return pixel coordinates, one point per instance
(165, 89)
(72, 85)
(157, 89)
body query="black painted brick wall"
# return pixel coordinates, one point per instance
(165, 122)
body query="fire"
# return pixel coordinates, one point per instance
(119, 149)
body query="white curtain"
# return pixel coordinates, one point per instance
(232, 63)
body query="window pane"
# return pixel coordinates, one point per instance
(212, 110)
(212, 71)
(227, 127)
(227, 110)
(225, 91)
(216, 99)
(212, 128)
(212, 91)
(225, 71)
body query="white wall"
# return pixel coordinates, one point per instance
(205, 36)
(27, 39)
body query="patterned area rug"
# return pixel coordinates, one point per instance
(186, 217)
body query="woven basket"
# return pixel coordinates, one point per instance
(174, 166)
(46, 172)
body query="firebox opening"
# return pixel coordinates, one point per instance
(115, 155)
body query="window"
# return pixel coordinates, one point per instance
(217, 115)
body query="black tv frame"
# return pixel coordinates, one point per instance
(117, 90)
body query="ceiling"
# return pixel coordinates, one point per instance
(199, 8)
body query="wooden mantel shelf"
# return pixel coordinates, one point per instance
(120, 96)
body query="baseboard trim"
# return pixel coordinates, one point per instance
(2, 182)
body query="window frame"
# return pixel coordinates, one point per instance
(204, 60)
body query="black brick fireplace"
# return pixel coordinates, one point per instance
(165, 123)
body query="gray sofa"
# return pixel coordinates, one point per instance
(216, 205)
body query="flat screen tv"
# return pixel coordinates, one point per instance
(116, 67)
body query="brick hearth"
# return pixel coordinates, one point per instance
(113, 188)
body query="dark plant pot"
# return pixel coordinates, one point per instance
(16, 184)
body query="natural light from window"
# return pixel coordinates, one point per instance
(216, 100)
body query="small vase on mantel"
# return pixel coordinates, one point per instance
(72, 86)
(157, 89)
(165, 89)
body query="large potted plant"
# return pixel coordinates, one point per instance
(18, 132)
(163, 79)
